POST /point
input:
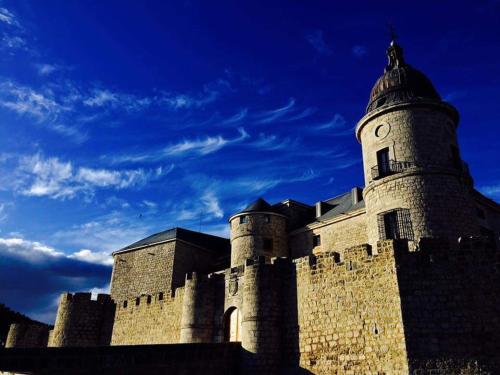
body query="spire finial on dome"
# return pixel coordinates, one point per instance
(394, 52)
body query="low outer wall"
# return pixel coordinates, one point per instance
(156, 322)
(27, 335)
(190, 359)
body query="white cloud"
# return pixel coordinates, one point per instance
(338, 121)
(272, 115)
(90, 256)
(261, 185)
(273, 142)
(96, 290)
(106, 98)
(100, 98)
(210, 93)
(14, 42)
(46, 69)
(302, 115)
(25, 100)
(212, 205)
(317, 41)
(204, 146)
(198, 146)
(149, 204)
(237, 117)
(107, 233)
(3, 214)
(32, 251)
(53, 178)
(7, 17)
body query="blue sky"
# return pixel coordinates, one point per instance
(120, 119)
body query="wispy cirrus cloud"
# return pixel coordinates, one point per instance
(337, 126)
(316, 39)
(273, 142)
(196, 146)
(6, 16)
(210, 93)
(269, 116)
(26, 101)
(51, 177)
(236, 118)
(12, 33)
(46, 69)
(41, 105)
(104, 98)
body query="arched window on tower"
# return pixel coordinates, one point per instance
(232, 325)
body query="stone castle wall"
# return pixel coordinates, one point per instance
(157, 268)
(450, 301)
(344, 232)
(149, 319)
(81, 321)
(143, 271)
(348, 316)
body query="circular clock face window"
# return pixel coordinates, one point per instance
(382, 131)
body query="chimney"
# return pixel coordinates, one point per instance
(356, 194)
(322, 208)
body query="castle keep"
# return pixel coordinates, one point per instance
(401, 276)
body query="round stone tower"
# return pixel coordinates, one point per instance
(416, 183)
(197, 309)
(258, 230)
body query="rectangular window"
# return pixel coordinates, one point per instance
(455, 157)
(395, 224)
(383, 162)
(268, 244)
(267, 218)
(243, 219)
(391, 225)
(317, 240)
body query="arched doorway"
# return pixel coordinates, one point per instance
(232, 325)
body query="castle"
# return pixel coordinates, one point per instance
(401, 276)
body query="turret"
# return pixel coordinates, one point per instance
(416, 183)
(197, 321)
(81, 321)
(258, 230)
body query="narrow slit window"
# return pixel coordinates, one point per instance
(317, 240)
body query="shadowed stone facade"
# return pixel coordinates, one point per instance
(402, 276)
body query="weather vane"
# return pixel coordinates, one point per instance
(392, 32)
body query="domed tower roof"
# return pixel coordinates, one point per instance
(400, 83)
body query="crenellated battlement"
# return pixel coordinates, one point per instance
(148, 300)
(83, 297)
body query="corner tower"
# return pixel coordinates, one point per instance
(258, 230)
(416, 184)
